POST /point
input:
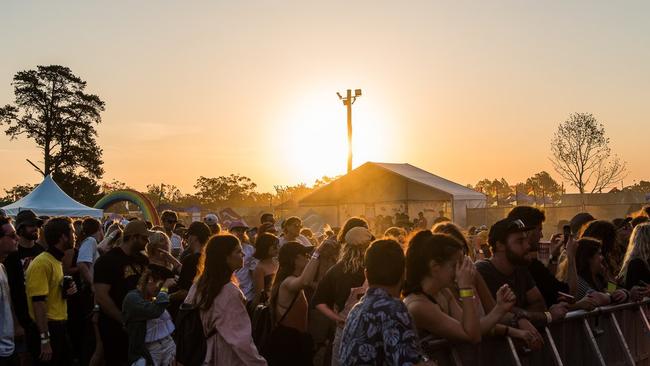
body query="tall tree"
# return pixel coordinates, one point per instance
(581, 154)
(53, 109)
(164, 193)
(17, 192)
(542, 185)
(233, 189)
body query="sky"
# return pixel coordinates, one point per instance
(465, 90)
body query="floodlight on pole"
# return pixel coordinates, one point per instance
(348, 100)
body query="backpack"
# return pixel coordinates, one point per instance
(190, 349)
(261, 324)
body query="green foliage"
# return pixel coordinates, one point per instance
(17, 192)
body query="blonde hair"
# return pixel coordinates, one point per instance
(638, 248)
(158, 240)
(352, 257)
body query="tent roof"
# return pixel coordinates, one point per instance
(387, 182)
(48, 199)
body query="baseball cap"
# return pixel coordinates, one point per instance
(291, 250)
(237, 224)
(136, 227)
(501, 229)
(358, 236)
(27, 217)
(211, 219)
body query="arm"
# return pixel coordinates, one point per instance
(136, 308)
(84, 270)
(572, 272)
(484, 294)
(428, 315)
(67, 260)
(106, 303)
(331, 314)
(295, 284)
(505, 301)
(537, 312)
(40, 313)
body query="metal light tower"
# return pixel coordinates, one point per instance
(348, 100)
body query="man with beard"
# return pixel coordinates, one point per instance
(510, 249)
(116, 273)
(47, 292)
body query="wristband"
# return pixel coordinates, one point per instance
(315, 255)
(45, 341)
(164, 289)
(466, 292)
(45, 335)
(549, 317)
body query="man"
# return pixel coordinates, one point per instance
(170, 219)
(8, 245)
(47, 292)
(291, 232)
(422, 221)
(16, 264)
(245, 274)
(267, 217)
(379, 329)
(197, 236)
(441, 218)
(510, 249)
(116, 273)
(546, 282)
(213, 223)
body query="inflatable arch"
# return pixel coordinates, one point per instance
(149, 212)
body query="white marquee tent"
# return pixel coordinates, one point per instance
(48, 199)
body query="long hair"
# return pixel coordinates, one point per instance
(451, 229)
(604, 231)
(352, 257)
(263, 243)
(352, 222)
(213, 271)
(286, 268)
(587, 249)
(639, 247)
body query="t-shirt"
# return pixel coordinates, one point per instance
(177, 244)
(188, 271)
(245, 274)
(520, 281)
(334, 289)
(7, 323)
(16, 265)
(120, 271)
(88, 252)
(637, 271)
(44, 277)
(547, 284)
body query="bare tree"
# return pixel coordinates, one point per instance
(581, 154)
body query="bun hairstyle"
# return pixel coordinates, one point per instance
(423, 248)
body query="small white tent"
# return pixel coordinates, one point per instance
(48, 199)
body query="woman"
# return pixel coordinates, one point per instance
(434, 262)
(159, 251)
(605, 232)
(266, 249)
(592, 278)
(113, 233)
(398, 234)
(148, 323)
(635, 270)
(222, 305)
(290, 344)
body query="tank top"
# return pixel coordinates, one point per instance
(297, 316)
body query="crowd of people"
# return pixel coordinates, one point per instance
(112, 293)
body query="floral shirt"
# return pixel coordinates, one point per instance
(379, 331)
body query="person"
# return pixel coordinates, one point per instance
(197, 236)
(398, 234)
(160, 257)
(441, 217)
(291, 232)
(47, 291)
(578, 221)
(635, 270)
(111, 239)
(170, 219)
(334, 289)
(116, 273)
(290, 343)
(639, 220)
(379, 330)
(91, 234)
(221, 305)
(623, 234)
(605, 231)
(266, 250)
(545, 280)
(307, 233)
(423, 223)
(510, 249)
(591, 278)
(8, 245)
(148, 324)
(267, 218)
(212, 221)
(245, 274)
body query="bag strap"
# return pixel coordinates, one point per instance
(289, 308)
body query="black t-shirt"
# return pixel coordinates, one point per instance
(334, 288)
(637, 271)
(120, 271)
(520, 281)
(188, 271)
(547, 284)
(16, 264)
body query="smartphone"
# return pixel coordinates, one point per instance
(566, 233)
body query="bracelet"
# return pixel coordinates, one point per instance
(549, 317)
(45, 341)
(315, 255)
(466, 292)
(45, 335)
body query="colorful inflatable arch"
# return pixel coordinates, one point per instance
(149, 212)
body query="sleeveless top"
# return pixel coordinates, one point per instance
(297, 316)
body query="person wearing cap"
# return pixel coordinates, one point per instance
(197, 236)
(8, 245)
(170, 219)
(291, 232)
(510, 249)
(116, 273)
(47, 293)
(334, 288)
(245, 273)
(213, 223)
(16, 264)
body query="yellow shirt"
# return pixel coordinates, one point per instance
(44, 277)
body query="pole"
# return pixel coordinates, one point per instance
(349, 107)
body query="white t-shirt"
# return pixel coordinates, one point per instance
(300, 239)
(88, 252)
(177, 242)
(245, 274)
(7, 323)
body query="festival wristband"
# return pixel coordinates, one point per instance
(466, 292)
(549, 317)
(45, 335)
(45, 341)
(164, 289)
(611, 287)
(315, 255)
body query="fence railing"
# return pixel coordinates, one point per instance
(606, 336)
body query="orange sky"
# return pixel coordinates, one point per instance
(463, 90)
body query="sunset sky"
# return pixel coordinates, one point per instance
(465, 90)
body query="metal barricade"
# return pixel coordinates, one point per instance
(607, 336)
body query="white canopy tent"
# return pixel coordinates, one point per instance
(48, 199)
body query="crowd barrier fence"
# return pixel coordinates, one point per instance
(607, 336)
